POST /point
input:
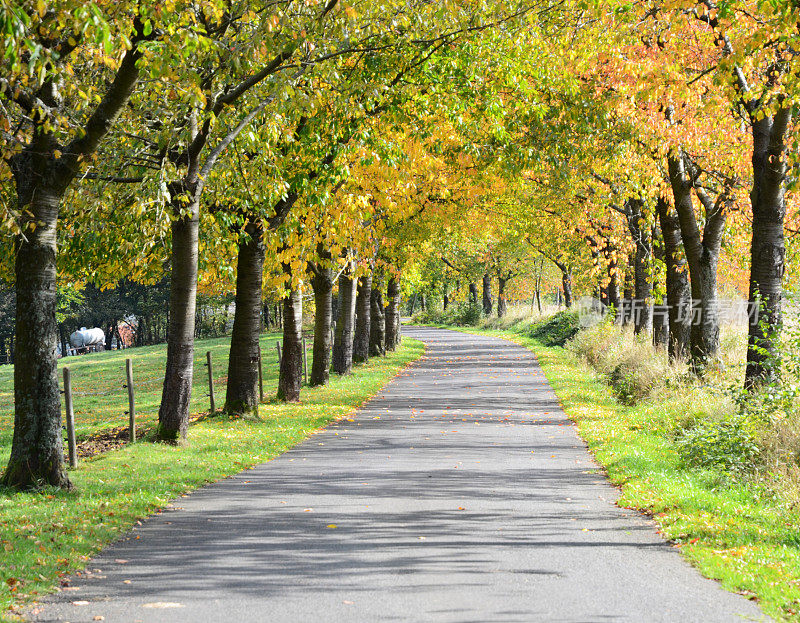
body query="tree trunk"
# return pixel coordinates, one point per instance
(487, 294)
(334, 307)
(118, 335)
(626, 300)
(62, 335)
(361, 336)
(343, 343)
(643, 287)
(603, 296)
(679, 299)
(377, 331)
(109, 335)
(242, 395)
(173, 416)
(660, 317)
(41, 178)
(291, 371)
(393, 314)
(502, 306)
(322, 283)
(768, 250)
(473, 293)
(37, 455)
(614, 300)
(702, 254)
(566, 286)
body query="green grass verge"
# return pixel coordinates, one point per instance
(45, 535)
(730, 530)
(100, 399)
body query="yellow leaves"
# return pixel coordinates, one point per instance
(272, 22)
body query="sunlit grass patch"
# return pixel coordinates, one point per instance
(100, 398)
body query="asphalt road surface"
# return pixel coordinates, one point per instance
(461, 492)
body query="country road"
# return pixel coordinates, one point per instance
(461, 492)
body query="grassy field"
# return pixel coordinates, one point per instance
(100, 399)
(44, 536)
(733, 530)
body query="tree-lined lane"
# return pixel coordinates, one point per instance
(459, 493)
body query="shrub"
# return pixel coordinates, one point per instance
(556, 330)
(466, 314)
(730, 444)
(460, 314)
(634, 369)
(429, 316)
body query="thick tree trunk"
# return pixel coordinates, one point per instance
(679, 300)
(37, 455)
(393, 315)
(41, 178)
(473, 293)
(768, 250)
(566, 286)
(377, 331)
(702, 253)
(487, 294)
(173, 416)
(291, 371)
(361, 336)
(343, 343)
(242, 395)
(322, 283)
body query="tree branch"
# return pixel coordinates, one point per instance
(100, 122)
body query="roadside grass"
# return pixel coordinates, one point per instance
(46, 535)
(731, 529)
(101, 400)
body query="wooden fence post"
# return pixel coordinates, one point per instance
(210, 383)
(131, 401)
(73, 448)
(260, 376)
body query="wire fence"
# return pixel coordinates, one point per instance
(99, 386)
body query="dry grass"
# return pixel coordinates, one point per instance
(635, 370)
(519, 317)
